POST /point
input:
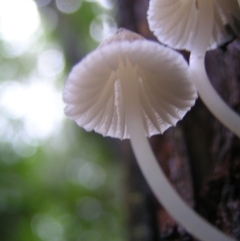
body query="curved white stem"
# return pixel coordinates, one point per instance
(207, 93)
(153, 173)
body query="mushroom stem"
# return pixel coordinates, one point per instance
(152, 172)
(197, 68)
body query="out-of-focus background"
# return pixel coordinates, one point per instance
(60, 183)
(57, 182)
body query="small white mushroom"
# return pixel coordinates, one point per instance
(95, 92)
(175, 23)
(132, 88)
(197, 25)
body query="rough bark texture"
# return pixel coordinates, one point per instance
(200, 156)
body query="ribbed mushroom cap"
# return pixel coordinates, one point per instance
(175, 22)
(93, 93)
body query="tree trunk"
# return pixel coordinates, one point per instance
(200, 156)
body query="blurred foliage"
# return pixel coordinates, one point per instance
(64, 184)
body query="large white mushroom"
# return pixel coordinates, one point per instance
(198, 25)
(96, 89)
(132, 88)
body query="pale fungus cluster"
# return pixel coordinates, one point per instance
(130, 87)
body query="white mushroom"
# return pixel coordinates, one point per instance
(175, 23)
(197, 25)
(95, 92)
(132, 88)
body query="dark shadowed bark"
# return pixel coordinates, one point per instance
(200, 156)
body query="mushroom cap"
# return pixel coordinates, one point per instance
(93, 93)
(175, 23)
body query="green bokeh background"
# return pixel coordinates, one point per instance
(67, 186)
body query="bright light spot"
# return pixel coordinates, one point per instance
(38, 104)
(18, 19)
(6, 130)
(107, 4)
(102, 27)
(89, 175)
(47, 228)
(68, 6)
(23, 145)
(14, 49)
(51, 63)
(12, 99)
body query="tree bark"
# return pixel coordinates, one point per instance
(200, 156)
